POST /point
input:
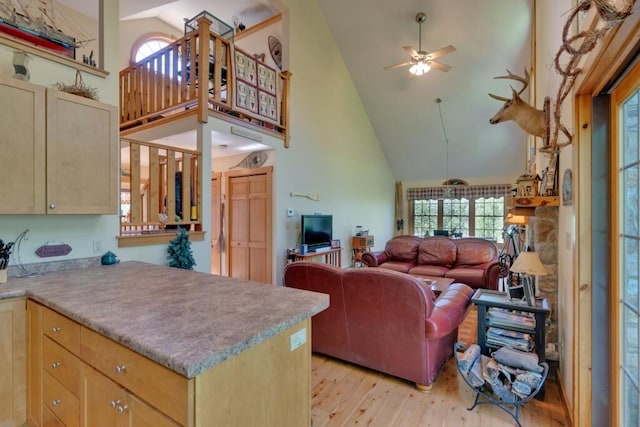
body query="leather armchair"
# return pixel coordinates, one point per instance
(383, 320)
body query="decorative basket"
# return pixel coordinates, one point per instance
(78, 88)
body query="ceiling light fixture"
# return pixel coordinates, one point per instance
(419, 68)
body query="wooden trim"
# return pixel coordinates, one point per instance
(16, 43)
(257, 27)
(583, 286)
(155, 239)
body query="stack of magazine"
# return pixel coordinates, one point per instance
(501, 324)
(510, 319)
(497, 337)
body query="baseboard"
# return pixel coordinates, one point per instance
(563, 395)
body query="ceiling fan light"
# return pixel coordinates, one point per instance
(419, 68)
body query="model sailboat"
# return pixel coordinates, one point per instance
(33, 21)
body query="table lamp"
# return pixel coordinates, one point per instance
(529, 264)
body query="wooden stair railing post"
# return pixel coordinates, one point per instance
(202, 61)
(284, 119)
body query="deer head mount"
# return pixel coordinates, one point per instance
(529, 118)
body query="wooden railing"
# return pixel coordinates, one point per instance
(164, 188)
(175, 80)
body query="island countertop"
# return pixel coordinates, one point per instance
(184, 320)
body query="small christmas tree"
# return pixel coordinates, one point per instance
(180, 255)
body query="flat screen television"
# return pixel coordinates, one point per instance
(316, 231)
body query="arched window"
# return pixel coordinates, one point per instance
(149, 44)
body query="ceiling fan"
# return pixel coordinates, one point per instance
(421, 61)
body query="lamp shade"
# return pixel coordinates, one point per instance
(516, 219)
(528, 263)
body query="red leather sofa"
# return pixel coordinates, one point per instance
(468, 260)
(383, 320)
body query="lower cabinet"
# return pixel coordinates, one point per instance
(108, 404)
(13, 374)
(78, 377)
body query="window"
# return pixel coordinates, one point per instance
(470, 210)
(481, 217)
(148, 45)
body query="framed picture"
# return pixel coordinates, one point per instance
(335, 244)
(529, 296)
(567, 188)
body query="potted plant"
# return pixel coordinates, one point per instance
(180, 254)
(5, 254)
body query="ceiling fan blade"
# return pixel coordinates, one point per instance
(410, 50)
(439, 66)
(440, 52)
(393, 67)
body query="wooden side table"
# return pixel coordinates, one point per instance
(332, 256)
(359, 245)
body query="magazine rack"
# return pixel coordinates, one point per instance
(485, 395)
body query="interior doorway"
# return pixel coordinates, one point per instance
(249, 199)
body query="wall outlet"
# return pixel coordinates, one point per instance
(97, 246)
(290, 212)
(298, 338)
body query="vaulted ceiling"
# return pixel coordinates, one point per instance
(417, 134)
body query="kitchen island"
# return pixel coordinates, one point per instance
(221, 351)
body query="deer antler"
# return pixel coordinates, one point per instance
(524, 80)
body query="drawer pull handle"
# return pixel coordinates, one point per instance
(56, 402)
(121, 368)
(122, 408)
(56, 329)
(56, 365)
(115, 403)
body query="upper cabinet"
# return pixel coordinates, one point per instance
(59, 152)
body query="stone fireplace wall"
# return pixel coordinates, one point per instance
(543, 238)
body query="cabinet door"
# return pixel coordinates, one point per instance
(143, 415)
(22, 147)
(100, 401)
(13, 371)
(82, 155)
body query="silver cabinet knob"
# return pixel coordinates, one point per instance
(114, 403)
(56, 402)
(56, 365)
(122, 409)
(56, 329)
(121, 368)
(52, 206)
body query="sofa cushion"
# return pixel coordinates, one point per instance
(473, 277)
(403, 248)
(475, 252)
(437, 251)
(402, 267)
(429, 270)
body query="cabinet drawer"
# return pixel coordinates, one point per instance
(61, 329)
(154, 383)
(61, 364)
(60, 401)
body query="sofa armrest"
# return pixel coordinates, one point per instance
(374, 259)
(492, 274)
(449, 311)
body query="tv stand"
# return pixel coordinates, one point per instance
(327, 255)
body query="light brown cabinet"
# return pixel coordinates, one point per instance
(59, 152)
(12, 362)
(267, 384)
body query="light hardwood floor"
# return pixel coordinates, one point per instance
(344, 394)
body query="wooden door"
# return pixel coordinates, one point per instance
(22, 147)
(217, 239)
(82, 155)
(139, 414)
(249, 197)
